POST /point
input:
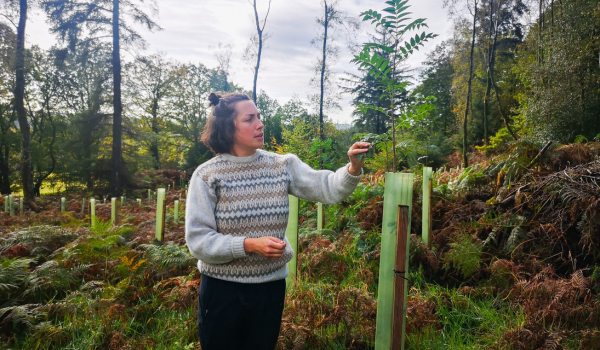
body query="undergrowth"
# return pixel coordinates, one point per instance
(514, 265)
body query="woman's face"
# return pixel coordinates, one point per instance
(248, 136)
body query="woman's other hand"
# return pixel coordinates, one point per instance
(355, 164)
(268, 247)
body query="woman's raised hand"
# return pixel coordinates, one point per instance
(356, 149)
(269, 247)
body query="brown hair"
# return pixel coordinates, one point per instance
(218, 131)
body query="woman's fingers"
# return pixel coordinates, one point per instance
(355, 150)
(269, 247)
(276, 248)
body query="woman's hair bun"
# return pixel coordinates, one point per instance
(214, 99)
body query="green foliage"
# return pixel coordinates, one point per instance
(374, 139)
(105, 242)
(167, 257)
(52, 278)
(13, 273)
(319, 154)
(498, 143)
(464, 255)
(570, 107)
(461, 321)
(383, 66)
(468, 179)
(580, 139)
(302, 139)
(39, 240)
(23, 317)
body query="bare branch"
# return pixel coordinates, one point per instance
(267, 15)
(13, 23)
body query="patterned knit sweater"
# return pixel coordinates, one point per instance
(233, 198)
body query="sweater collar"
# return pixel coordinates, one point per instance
(248, 159)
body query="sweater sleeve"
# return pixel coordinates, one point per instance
(201, 236)
(320, 185)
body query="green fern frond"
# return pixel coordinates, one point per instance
(51, 278)
(13, 273)
(168, 256)
(23, 317)
(40, 240)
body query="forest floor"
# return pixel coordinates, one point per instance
(514, 264)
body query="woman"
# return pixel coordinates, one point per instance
(236, 217)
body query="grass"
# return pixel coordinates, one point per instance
(143, 296)
(464, 323)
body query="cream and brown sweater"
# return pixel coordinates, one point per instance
(233, 198)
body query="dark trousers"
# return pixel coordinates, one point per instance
(235, 315)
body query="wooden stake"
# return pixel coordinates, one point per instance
(430, 223)
(291, 232)
(400, 283)
(160, 214)
(398, 191)
(320, 219)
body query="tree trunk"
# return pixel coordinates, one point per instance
(117, 160)
(260, 44)
(491, 77)
(486, 100)
(26, 171)
(326, 25)
(540, 58)
(4, 171)
(154, 126)
(465, 159)
(43, 176)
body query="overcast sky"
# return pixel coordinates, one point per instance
(193, 29)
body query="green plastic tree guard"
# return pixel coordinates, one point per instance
(149, 195)
(92, 210)
(63, 204)
(122, 200)
(11, 205)
(319, 216)
(426, 231)
(176, 212)
(139, 202)
(398, 191)
(113, 210)
(291, 232)
(21, 200)
(83, 205)
(160, 214)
